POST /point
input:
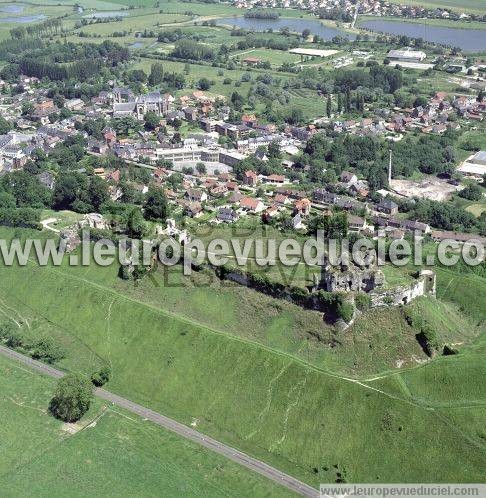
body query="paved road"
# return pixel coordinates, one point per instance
(184, 431)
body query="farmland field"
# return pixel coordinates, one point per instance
(299, 417)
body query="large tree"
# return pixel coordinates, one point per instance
(5, 126)
(136, 226)
(152, 120)
(156, 206)
(72, 398)
(97, 192)
(156, 76)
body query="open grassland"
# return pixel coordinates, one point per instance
(465, 290)
(303, 419)
(275, 57)
(109, 452)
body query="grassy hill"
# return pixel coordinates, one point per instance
(109, 452)
(303, 417)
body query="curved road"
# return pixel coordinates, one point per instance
(167, 423)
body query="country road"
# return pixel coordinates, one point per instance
(237, 456)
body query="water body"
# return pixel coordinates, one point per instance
(23, 19)
(102, 15)
(469, 40)
(12, 9)
(136, 45)
(295, 25)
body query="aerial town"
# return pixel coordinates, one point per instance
(242, 248)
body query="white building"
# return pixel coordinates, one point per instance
(407, 55)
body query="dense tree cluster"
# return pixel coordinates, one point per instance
(255, 40)
(51, 26)
(261, 14)
(447, 216)
(368, 156)
(191, 50)
(173, 35)
(15, 46)
(169, 80)
(22, 189)
(79, 192)
(69, 61)
(431, 154)
(473, 192)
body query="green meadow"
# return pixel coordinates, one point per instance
(109, 452)
(185, 353)
(475, 6)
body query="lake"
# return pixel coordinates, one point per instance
(23, 19)
(469, 40)
(295, 25)
(12, 9)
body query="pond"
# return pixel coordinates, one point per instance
(102, 15)
(136, 45)
(295, 25)
(469, 40)
(24, 19)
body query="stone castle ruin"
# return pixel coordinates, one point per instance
(347, 277)
(367, 277)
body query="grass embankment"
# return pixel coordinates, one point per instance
(295, 416)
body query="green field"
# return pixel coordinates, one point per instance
(301, 418)
(476, 6)
(109, 452)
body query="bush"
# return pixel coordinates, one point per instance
(6, 330)
(427, 336)
(46, 349)
(102, 377)
(362, 301)
(14, 338)
(472, 192)
(345, 310)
